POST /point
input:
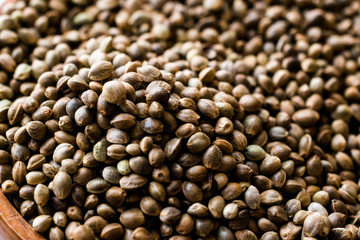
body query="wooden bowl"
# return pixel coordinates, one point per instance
(12, 225)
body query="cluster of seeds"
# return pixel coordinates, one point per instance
(196, 119)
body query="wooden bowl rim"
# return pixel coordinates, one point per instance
(12, 225)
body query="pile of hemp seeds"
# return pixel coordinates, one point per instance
(180, 120)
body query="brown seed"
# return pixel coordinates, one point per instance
(212, 157)
(100, 71)
(114, 92)
(157, 191)
(19, 152)
(245, 234)
(77, 84)
(63, 151)
(42, 223)
(149, 73)
(96, 223)
(156, 157)
(270, 164)
(231, 191)
(115, 196)
(224, 145)
(19, 172)
(36, 130)
(35, 177)
(265, 225)
(313, 224)
(152, 126)
(306, 145)
(9, 187)
(56, 233)
(250, 103)
(90, 98)
(160, 95)
(270, 197)
(170, 215)
(41, 194)
(192, 192)
(198, 142)
(306, 117)
(112, 231)
(188, 116)
(277, 214)
(185, 224)
(238, 140)
(198, 63)
(292, 207)
(97, 186)
(207, 75)
(132, 218)
(141, 233)
(196, 173)
(64, 137)
(216, 206)
(230, 211)
(150, 206)
(15, 113)
(252, 197)
(62, 185)
(289, 231)
(198, 210)
(111, 174)
(224, 126)
(252, 125)
(208, 108)
(116, 151)
(344, 161)
(132, 182)
(117, 136)
(83, 232)
(123, 121)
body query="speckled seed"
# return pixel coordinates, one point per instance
(97, 186)
(114, 92)
(62, 185)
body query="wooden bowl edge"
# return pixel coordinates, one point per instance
(13, 225)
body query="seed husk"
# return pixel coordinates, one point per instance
(252, 197)
(306, 117)
(96, 223)
(82, 232)
(114, 92)
(313, 224)
(216, 206)
(270, 197)
(132, 218)
(62, 185)
(254, 152)
(100, 71)
(42, 223)
(112, 231)
(41, 194)
(97, 186)
(35, 177)
(198, 142)
(132, 182)
(212, 157)
(289, 231)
